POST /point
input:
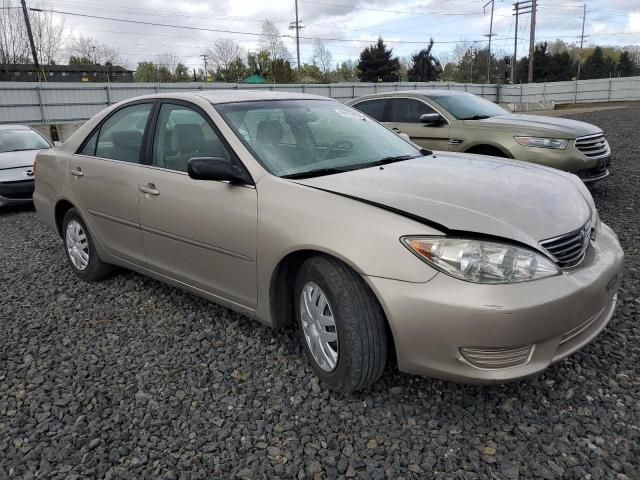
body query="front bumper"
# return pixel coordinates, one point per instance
(467, 332)
(16, 193)
(569, 160)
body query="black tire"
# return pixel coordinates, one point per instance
(96, 269)
(360, 324)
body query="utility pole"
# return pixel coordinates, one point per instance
(584, 17)
(206, 75)
(297, 27)
(520, 8)
(490, 35)
(25, 11)
(532, 39)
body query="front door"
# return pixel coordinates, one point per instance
(403, 116)
(202, 233)
(103, 177)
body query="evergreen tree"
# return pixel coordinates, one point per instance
(597, 66)
(377, 63)
(425, 67)
(626, 68)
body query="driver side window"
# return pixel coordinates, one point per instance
(182, 134)
(406, 110)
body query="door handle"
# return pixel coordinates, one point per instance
(150, 188)
(77, 172)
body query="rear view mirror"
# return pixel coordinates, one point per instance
(215, 168)
(431, 119)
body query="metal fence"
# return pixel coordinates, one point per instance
(34, 103)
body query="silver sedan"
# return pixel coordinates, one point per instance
(19, 146)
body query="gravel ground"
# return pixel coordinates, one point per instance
(130, 378)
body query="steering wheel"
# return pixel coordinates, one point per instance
(348, 145)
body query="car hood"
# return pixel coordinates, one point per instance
(561, 127)
(23, 158)
(463, 193)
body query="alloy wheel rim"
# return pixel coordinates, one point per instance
(77, 245)
(319, 326)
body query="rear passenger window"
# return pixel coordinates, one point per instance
(120, 137)
(373, 108)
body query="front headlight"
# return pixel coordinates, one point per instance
(480, 261)
(540, 142)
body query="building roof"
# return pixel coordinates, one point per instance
(27, 67)
(255, 79)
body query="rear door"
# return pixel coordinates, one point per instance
(402, 115)
(202, 233)
(103, 176)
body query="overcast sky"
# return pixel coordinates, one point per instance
(405, 24)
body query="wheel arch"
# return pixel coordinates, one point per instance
(60, 210)
(281, 297)
(479, 147)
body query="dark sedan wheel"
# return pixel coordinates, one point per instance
(80, 250)
(342, 325)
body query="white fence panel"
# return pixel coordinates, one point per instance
(30, 102)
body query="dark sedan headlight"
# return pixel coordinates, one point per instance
(481, 261)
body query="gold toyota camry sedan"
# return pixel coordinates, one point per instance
(297, 209)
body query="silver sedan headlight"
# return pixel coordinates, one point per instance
(541, 142)
(480, 261)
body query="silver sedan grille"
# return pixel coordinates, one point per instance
(593, 146)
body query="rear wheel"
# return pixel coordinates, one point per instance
(342, 325)
(80, 249)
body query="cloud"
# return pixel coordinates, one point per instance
(359, 21)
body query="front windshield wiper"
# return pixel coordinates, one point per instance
(330, 171)
(476, 117)
(392, 159)
(316, 173)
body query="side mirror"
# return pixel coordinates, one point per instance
(215, 168)
(431, 119)
(404, 136)
(57, 143)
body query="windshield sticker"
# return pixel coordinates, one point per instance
(352, 114)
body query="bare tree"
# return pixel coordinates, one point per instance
(168, 60)
(89, 50)
(271, 41)
(322, 57)
(47, 35)
(14, 45)
(223, 54)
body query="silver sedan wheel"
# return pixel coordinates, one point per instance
(319, 326)
(77, 245)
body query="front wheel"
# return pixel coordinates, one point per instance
(80, 249)
(342, 326)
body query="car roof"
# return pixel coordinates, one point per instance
(14, 126)
(233, 95)
(440, 92)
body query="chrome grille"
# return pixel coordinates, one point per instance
(497, 357)
(568, 250)
(594, 146)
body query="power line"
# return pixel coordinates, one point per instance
(352, 7)
(238, 32)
